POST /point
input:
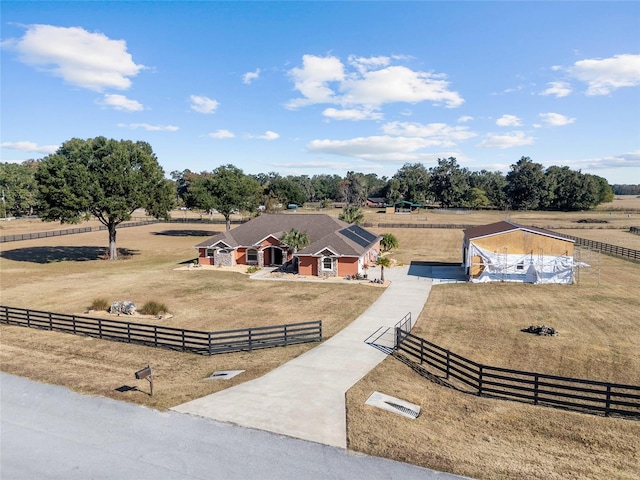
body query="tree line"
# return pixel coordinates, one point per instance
(108, 180)
(227, 189)
(527, 186)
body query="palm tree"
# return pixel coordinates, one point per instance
(352, 214)
(383, 262)
(295, 240)
(388, 242)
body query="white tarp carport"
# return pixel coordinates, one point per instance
(526, 268)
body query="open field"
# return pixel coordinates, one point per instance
(484, 438)
(622, 213)
(599, 338)
(65, 274)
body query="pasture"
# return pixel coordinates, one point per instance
(65, 274)
(599, 339)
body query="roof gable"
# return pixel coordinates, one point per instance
(498, 228)
(323, 231)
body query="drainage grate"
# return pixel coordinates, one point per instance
(394, 405)
(405, 410)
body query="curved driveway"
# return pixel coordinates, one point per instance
(305, 398)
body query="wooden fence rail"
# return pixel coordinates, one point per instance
(454, 226)
(622, 252)
(626, 253)
(204, 343)
(137, 223)
(540, 389)
(68, 231)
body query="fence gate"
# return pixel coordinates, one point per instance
(587, 270)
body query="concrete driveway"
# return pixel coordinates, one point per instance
(305, 398)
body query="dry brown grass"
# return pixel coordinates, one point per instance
(459, 433)
(621, 238)
(455, 432)
(97, 367)
(598, 330)
(487, 439)
(62, 274)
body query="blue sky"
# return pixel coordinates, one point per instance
(309, 88)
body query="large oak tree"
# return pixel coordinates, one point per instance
(104, 178)
(226, 189)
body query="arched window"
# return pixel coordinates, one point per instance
(252, 255)
(327, 263)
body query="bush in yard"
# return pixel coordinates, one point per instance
(153, 308)
(99, 304)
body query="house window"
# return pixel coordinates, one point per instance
(252, 255)
(210, 252)
(327, 263)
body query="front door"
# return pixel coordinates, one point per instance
(276, 256)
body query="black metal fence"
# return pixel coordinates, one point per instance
(203, 343)
(550, 390)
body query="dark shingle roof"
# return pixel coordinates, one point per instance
(323, 231)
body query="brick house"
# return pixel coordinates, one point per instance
(336, 248)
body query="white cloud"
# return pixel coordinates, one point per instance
(624, 160)
(362, 64)
(371, 83)
(556, 119)
(465, 118)
(606, 75)
(150, 128)
(398, 84)
(352, 114)
(312, 80)
(268, 135)
(376, 148)
(202, 104)
(557, 89)
(120, 102)
(440, 134)
(222, 133)
(26, 146)
(249, 77)
(513, 139)
(508, 121)
(325, 166)
(85, 59)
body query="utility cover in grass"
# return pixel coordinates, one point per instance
(393, 404)
(224, 374)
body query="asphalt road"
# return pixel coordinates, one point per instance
(50, 432)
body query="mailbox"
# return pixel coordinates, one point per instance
(143, 373)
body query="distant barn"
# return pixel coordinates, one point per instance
(508, 252)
